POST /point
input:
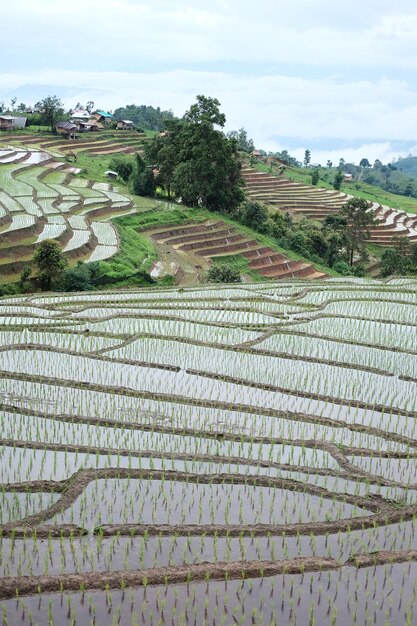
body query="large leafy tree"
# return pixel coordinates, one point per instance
(50, 263)
(197, 161)
(358, 221)
(51, 109)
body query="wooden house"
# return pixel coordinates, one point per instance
(66, 129)
(125, 125)
(10, 122)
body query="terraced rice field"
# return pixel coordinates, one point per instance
(306, 200)
(41, 198)
(127, 142)
(241, 454)
(218, 239)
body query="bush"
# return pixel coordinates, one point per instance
(253, 215)
(9, 290)
(341, 267)
(223, 274)
(123, 166)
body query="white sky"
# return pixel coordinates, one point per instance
(317, 71)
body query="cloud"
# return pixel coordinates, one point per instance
(127, 34)
(267, 106)
(300, 68)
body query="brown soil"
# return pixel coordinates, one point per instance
(29, 585)
(13, 587)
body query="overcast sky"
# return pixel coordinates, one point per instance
(337, 78)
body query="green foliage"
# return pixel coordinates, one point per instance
(223, 274)
(142, 179)
(401, 259)
(315, 177)
(123, 165)
(9, 290)
(24, 278)
(307, 158)
(359, 219)
(338, 180)
(285, 157)
(408, 165)
(243, 142)
(79, 277)
(52, 108)
(50, 263)
(146, 117)
(343, 268)
(364, 163)
(253, 215)
(197, 161)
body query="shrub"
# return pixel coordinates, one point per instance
(223, 274)
(341, 267)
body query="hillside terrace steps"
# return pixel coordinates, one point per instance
(178, 231)
(229, 249)
(309, 201)
(212, 242)
(178, 242)
(203, 240)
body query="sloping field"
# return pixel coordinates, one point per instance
(224, 455)
(306, 200)
(44, 199)
(218, 239)
(92, 143)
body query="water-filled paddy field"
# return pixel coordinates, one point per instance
(207, 456)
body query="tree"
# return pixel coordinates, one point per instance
(315, 177)
(223, 274)
(79, 277)
(329, 163)
(307, 158)
(391, 262)
(286, 158)
(123, 165)
(338, 180)
(364, 163)
(51, 109)
(197, 161)
(377, 164)
(359, 219)
(163, 152)
(145, 117)
(253, 214)
(409, 190)
(50, 263)
(205, 112)
(241, 136)
(143, 179)
(24, 277)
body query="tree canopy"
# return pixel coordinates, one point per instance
(196, 160)
(51, 109)
(50, 263)
(144, 116)
(358, 221)
(243, 142)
